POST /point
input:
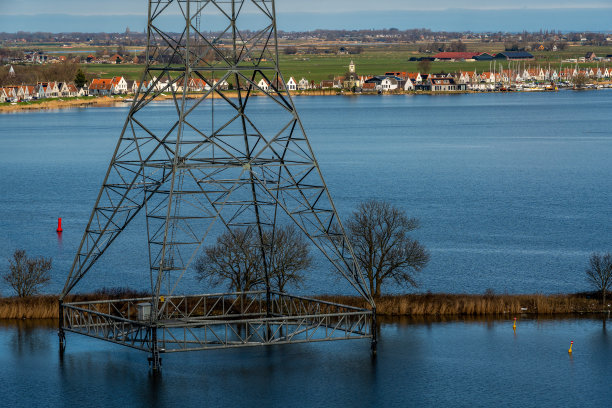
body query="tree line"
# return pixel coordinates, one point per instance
(32, 74)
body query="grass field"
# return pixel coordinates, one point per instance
(326, 66)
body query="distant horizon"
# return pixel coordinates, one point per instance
(511, 20)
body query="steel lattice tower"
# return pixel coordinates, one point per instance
(214, 162)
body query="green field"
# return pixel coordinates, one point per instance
(371, 62)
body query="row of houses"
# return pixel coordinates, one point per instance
(390, 81)
(534, 75)
(41, 90)
(121, 86)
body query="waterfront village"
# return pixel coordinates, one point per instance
(518, 74)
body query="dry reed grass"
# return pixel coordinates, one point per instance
(436, 304)
(429, 304)
(46, 306)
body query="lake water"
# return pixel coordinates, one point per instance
(455, 363)
(512, 190)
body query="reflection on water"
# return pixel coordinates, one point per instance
(28, 336)
(420, 362)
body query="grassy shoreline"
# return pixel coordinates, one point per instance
(425, 304)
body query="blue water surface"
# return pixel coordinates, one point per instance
(455, 363)
(512, 190)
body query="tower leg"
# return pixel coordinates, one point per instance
(60, 331)
(155, 360)
(374, 343)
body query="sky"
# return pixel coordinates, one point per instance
(298, 15)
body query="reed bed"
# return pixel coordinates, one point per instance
(428, 304)
(436, 304)
(47, 306)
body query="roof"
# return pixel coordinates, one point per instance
(443, 81)
(515, 54)
(456, 55)
(101, 84)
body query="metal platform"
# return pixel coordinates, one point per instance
(213, 321)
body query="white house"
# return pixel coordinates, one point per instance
(263, 84)
(554, 75)
(49, 89)
(16, 92)
(220, 84)
(408, 85)
(135, 87)
(8, 95)
(303, 84)
(291, 85)
(198, 85)
(29, 92)
(465, 77)
(388, 84)
(119, 85)
(67, 90)
(155, 85)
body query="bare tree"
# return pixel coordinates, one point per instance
(379, 235)
(237, 259)
(27, 275)
(288, 255)
(599, 273)
(232, 260)
(580, 80)
(424, 66)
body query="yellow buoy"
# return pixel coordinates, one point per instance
(514, 325)
(570, 349)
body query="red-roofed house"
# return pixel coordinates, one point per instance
(119, 85)
(101, 86)
(369, 87)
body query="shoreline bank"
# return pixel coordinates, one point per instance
(105, 101)
(424, 304)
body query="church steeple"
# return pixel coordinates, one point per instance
(352, 67)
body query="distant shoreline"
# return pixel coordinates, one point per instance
(105, 101)
(424, 304)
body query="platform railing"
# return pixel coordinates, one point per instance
(211, 321)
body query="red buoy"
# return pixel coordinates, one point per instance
(59, 225)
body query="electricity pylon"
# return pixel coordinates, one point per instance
(219, 161)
